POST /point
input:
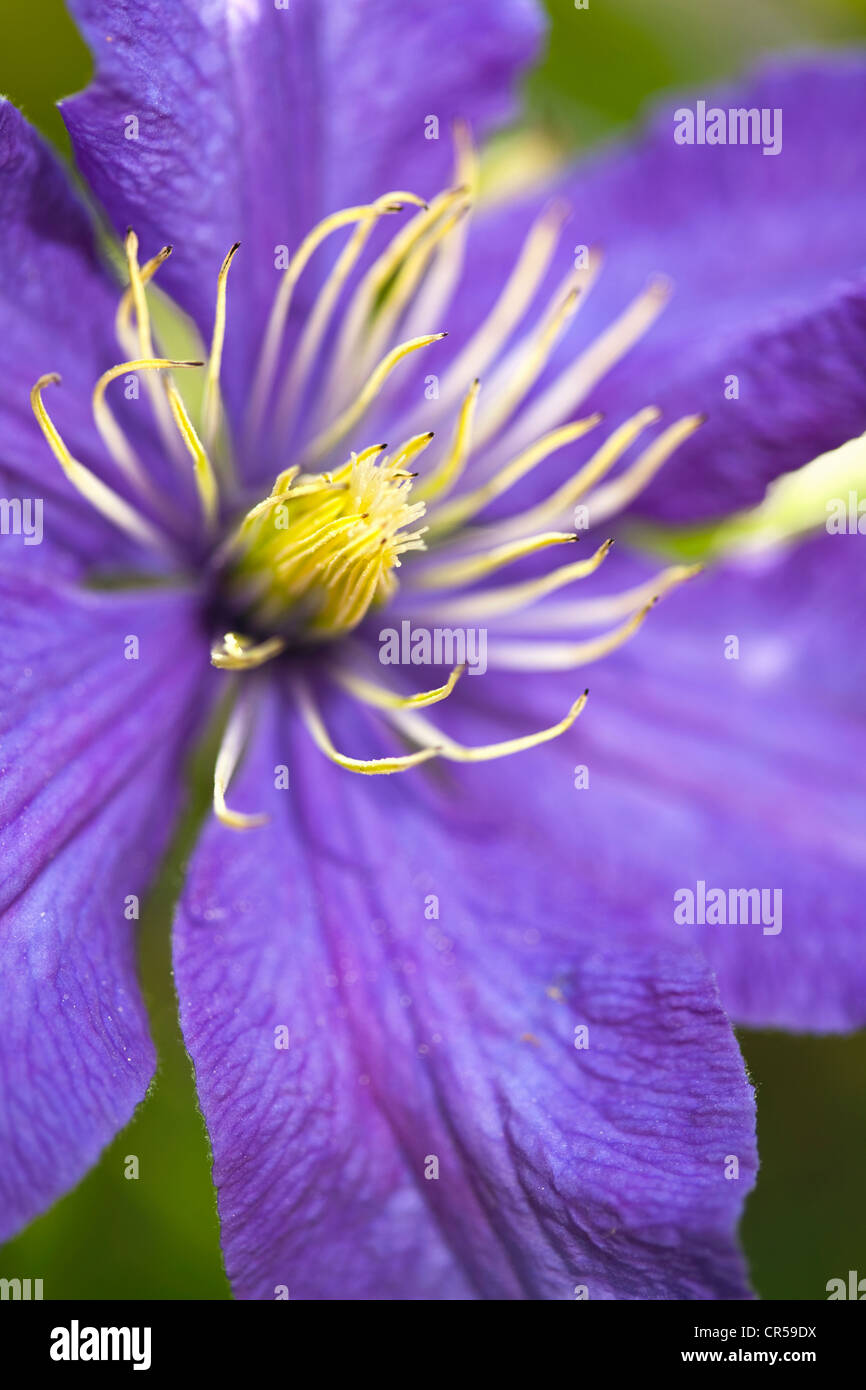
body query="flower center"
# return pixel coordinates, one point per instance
(311, 558)
(307, 563)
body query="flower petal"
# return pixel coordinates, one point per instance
(388, 977)
(726, 744)
(89, 775)
(769, 275)
(254, 120)
(57, 307)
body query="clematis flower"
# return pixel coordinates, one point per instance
(449, 1039)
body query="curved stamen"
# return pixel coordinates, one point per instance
(590, 612)
(518, 373)
(455, 513)
(367, 766)
(233, 743)
(612, 498)
(276, 326)
(158, 388)
(519, 290)
(563, 656)
(238, 653)
(380, 697)
(330, 437)
(456, 574)
(413, 270)
(575, 382)
(362, 307)
(510, 598)
(212, 405)
(123, 319)
(440, 482)
(560, 503)
(420, 728)
(98, 494)
(112, 435)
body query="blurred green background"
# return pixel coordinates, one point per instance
(157, 1237)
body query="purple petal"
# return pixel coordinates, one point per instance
(768, 266)
(90, 754)
(742, 773)
(57, 309)
(57, 313)
(254, 121)
(413, 1038)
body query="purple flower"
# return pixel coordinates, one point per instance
(450, 1038)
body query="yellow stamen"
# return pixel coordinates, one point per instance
(563, 656)
(205, 478)
(368, 766)
(212, 407)
(123, 319)
(560, 503)
(413, 270)
(98, 494)
(616, 495)
(239, 653)
(515, 378)
(112, 435)
(276, 326)
(233, 743)
(328, 553)
(589, 612)
(440, 482)
(456, 574)
(510, 598)
(575, 382)
(520, 288)
(420, 728)
(371, 693)
(157, 388)
(362, 308)
(458, 511)
(331, 436)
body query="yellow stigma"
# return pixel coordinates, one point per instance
(311, 559)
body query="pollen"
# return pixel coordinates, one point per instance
(322, 549)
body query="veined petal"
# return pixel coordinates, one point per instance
(255, 120)
(383, 1026)
(765, 332)
(91, 749)
(726, 746)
